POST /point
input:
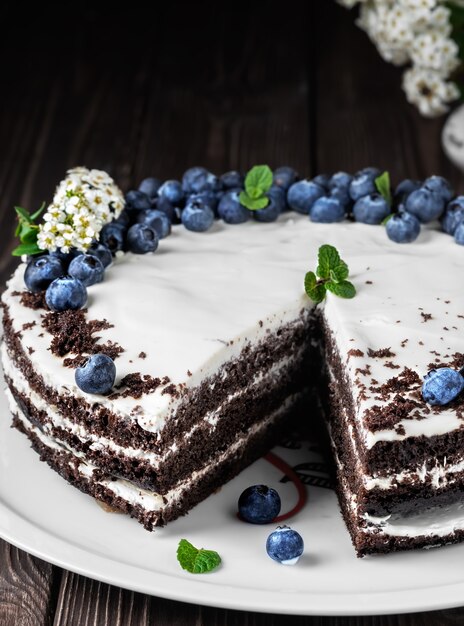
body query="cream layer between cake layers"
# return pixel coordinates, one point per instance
(202, 298)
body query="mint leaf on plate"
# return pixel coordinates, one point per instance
(194, 560)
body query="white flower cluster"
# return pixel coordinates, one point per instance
(83, 203)
(415, 32)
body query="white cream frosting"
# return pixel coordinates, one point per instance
(197, 301)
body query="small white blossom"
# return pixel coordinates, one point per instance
(429, 91)
(433, 51)
(83, 203)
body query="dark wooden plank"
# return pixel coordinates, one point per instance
(28, 588)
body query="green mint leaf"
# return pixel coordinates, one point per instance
(22, 214)
(328, 259)
(258, 181)
(314, 289)
(26, 248)
(194, 560)
(343, 289)
(386, 219)
(382, 183)
(339, 273)
(28, 234)
(253, 203)
(39, 211)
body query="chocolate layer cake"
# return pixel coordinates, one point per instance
(217, 346)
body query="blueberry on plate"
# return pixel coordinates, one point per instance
(97, 375)
(197, 216)
(284, 177)
(327, 210)
(149, 186)
(341, 180)
(158, 220)
(211, 198)
(87, 268)
(272, 211)
(371, 209)
(322, 180)
(442, 385)
(285, 545)
(230, 209)
(142, 239)
(113, 236)
(171, 190)
(425, 204)
(65, 294)
(259, 504)
(302, 195)
(137, 200)
(403, 227)
(41, 272)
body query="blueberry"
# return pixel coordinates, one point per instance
(197, 179)
(363, 183)
(442, 385)
(87, 268)
(142, 239)
(425, 204)
(211, 198)
(453, 215)
(371, 209)
(101, 252)
(113, 236)
(340, 180)
(406, 187)
(172, 191)
(66, 257)
(302, 195)
(403, 227)
(322, 180)
(231, 179)
(272, 211)
(279, 195)
(197, 216)
(97, 375)
(137, 200)
(327, 210)
(123, 219)
(162, 204)
(42, 271)
(158, 220)
(285, 545)
(66, 293)
(150, 186)
(459, 234)
(259, 504)
(439, 185)
(230, 209)
(285, 176)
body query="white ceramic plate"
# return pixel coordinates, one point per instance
(42, 514)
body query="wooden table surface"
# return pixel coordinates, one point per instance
(153, 93)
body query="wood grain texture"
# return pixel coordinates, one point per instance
(143, 95)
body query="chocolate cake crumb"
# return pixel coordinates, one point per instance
(189, 373)
(355, 352)
(33, 300)
(142, 355)
(447, 301)
(28, 325)
(426, 317)
(391, 365)
(365, 372)
(380, 354)
(387, 417)
(404, 342)
(421, 343)
(136, 385)
(73, 333)
(30, 350)
(369, 282)
(170, 389)
(41, 335)
(400, 430)
(260, 323)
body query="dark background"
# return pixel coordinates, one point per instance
(151, 93)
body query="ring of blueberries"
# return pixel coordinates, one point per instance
(201, 198)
